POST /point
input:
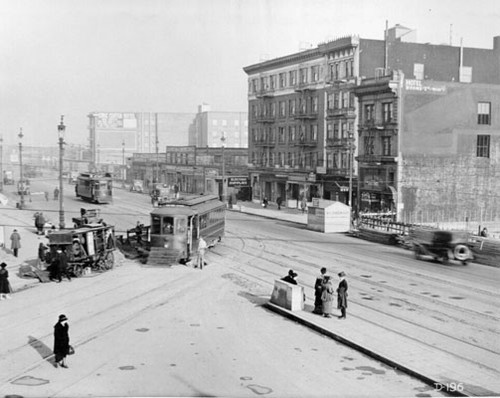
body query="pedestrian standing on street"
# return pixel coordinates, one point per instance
(342, 295)
(61, 341)
(42, 254)
(303, 204)
(63, 265)
(327, 297)
(278, 202)
(318, 291)
(46, 196)
(202, 247)
(5, 288)
(138, 233)
(290, 278)
(56, 193)
(15, 245)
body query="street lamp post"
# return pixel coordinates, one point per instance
(21, 182)
(223, 141)
(61, 129)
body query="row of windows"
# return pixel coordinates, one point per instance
(224, 123)
(339, 129)
(369, 145)
(291, 134)
(334, 160)
(216, 216)
(337, 100)
(337, 70)
(386, 112)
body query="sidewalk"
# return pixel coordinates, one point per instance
(455, 364)
(10, 219)
(271, 211)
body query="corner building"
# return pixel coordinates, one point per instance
(337, 115)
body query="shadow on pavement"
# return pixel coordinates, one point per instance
(44, 351)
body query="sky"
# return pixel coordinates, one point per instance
(73, 57)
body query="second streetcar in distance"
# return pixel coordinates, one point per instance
(94, 187)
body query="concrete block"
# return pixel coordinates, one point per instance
(288, 296)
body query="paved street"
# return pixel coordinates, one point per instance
(185, 332)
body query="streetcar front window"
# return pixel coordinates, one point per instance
(155, 225)
(168, 226)
(180, 226)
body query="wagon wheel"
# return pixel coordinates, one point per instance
(77, 270)
(109, 260)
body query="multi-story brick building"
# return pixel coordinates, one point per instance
(430, 150)
(303, 112)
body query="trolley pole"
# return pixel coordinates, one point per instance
(61, 128)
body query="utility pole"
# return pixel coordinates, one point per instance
(21, 181)
(223, 140)
(61, 129)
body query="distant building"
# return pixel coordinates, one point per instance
(304, 114)
(195, 170)
(116, 135)
(215, 128)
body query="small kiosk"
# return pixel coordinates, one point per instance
(328, 216)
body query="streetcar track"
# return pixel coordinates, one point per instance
(267, 270)
(109, 328)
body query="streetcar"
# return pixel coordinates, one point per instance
(94, 187)
(177, 226)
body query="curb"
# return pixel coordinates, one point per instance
(270, 216)
(364, 350)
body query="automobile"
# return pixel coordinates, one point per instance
(137, 186)
(441, 245)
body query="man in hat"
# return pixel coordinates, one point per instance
(342, 295)
(290, 278)
(61, 341)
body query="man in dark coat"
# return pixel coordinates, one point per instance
(290, 278)
(61, 341)
(342, 295)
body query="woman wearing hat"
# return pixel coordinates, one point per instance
(61, 341)
(5, 289)
(342, 295)
(327, 297)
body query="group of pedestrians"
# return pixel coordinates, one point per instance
(324, 295)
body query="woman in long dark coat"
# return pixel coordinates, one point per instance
(327, 297)
(5, 289)
(61, 341)
(342, 295)
(318, 290)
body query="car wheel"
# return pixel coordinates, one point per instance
(461, 252)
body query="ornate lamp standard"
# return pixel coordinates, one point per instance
(61, 129)
(21, 182)
(223, 143)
